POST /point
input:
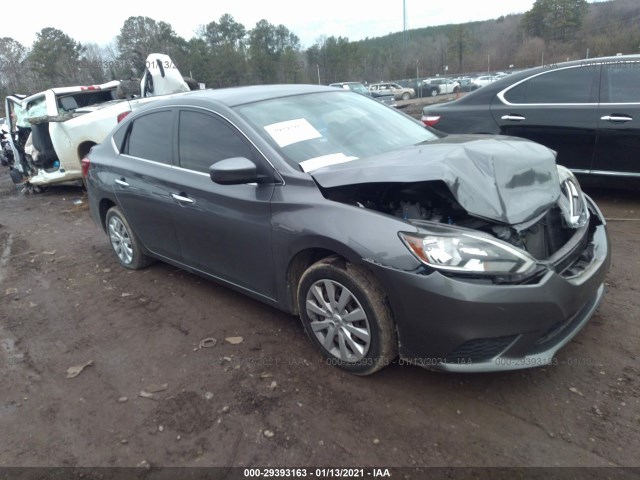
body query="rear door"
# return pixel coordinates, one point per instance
(618, 145)
(557, 108)
(142, 177)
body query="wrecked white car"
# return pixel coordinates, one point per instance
(50, 132)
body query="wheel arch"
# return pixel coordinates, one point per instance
(308, 254)
(84, 148)
(103, 207)
(298, 264)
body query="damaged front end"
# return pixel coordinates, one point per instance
(513, 255)
(457, 243)
(484, 219)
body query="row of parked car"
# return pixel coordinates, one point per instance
(430, 87)
(427, 87)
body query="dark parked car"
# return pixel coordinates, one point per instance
(462, 253)
(588, 111)
(466, 84)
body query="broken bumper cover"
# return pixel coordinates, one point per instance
(59, 176)
(454, 324)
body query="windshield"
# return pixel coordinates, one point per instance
(319, 129)
(34, 108)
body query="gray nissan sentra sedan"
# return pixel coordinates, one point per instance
(459, 253)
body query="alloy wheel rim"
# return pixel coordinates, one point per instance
(338, 320)
(120, 240)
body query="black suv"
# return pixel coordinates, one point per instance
(588, 111)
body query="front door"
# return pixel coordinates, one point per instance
(224, 230)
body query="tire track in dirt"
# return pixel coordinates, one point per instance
(4, 257)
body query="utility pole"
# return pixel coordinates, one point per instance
(318, 68)
(404, 34)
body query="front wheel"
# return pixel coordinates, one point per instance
(126, 245)
(346, 316)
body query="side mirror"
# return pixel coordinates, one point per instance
(234, 171)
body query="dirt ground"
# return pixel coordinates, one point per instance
(152, 396)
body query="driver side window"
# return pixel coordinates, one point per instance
(204, 139)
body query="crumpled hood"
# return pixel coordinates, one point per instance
(506, 179)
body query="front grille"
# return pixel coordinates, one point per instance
(480, 349)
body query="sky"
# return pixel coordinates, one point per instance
(91, 22)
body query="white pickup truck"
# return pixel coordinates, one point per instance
(50, 132)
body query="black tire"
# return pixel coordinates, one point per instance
(125, 244)
(364, 301)
(406, 96)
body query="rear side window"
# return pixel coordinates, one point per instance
(569, 85)
(118, 137)
(204, 139)
(621, 83)
(151, 137)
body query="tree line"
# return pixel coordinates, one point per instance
(225, 53)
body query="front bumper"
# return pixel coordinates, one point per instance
(454, 324)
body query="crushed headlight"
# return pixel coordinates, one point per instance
(468, 253)
(572, 203)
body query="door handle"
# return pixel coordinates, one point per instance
(182, 198)
(616, 118)
(513, 118)
(122, 183)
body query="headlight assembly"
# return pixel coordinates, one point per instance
(468, 253)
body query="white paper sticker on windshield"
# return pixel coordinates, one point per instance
(292, 131)
(323, 161)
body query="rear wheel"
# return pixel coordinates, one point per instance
(128, 249)
(406, 96)
(346, 316)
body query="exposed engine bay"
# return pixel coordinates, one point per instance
(432, 201)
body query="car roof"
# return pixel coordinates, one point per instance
(234, 96)
(486, 93)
